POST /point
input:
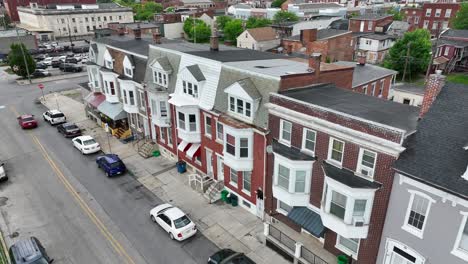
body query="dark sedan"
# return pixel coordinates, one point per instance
(228, 256)
(69, 130)
(69, 67)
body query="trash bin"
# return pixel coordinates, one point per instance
(224, 194)
(181, 166)
(342, 259)
(234, 200)
(156, 153)
(228, 198)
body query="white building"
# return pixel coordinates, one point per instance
(407, 94)
(262, 39)
(375, 46)
(71, 20)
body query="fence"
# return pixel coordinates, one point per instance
(281, 237)
(311, 257)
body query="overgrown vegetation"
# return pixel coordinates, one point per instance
(17, 57)
(197, 30)
(460, 21)
(458, 78)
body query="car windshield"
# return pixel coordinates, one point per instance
(27, 119)
(181, 222)
(40, 261)
(116, 164)
(89, 142)
(71, 127)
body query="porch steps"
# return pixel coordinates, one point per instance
(213, 193)
(146, 150)
(120, 132)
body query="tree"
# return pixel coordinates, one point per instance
(397, 15)
(5, 21)
(16, 60)
(285, 16)
(197, 30)
(277, 3)
(255, 22)
(222, 21)
(419, 44)
(147, 10)
(460, 21)
(233, 29)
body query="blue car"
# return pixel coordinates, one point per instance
(111, 164)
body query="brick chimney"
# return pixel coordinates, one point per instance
(137, 32)
(314, 62)
(157, 38)
(308, 35)
(214, 39)
(361, 58)
(433, 87)
(121, 30)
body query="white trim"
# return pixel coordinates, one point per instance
(330, 151)
(391, 243)
(281, 139)
(456, 251)
(242, 116)
(360, 166)
(219, 140)
(128, 65)
(346, 250)
(304, 138)
(373, 142)
(208, 135)
(234, 184)
(409, 228)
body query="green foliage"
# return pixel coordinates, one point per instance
(222, 21)
(197, 30)
(419, 56)
(170, 9)
(353, 14)
(397, 15)
(147, 10)
(285, 16)
(255, 22)
(5, 21)
(460, 21)
(327, 60)
(458, 78)
(277, 3)
(16, 60)
(233, 29)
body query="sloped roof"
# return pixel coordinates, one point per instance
(196, 72)
(366, 73)
(249, 88)
(369, 17)
(165, 64)
(456, 33)
(435, 154)
(262, 33)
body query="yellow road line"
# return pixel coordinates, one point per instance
(115, 244)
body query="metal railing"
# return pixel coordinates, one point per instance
(311, 257)
(283, 238)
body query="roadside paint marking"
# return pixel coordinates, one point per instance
(84, 206)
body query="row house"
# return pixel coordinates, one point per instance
(330, 174)
(370, 23)
(434, 17)
(452, 51)
(427, 217)
(375, 46)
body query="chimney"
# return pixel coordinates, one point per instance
(433, 87)
(214, 40)
(314, 62)
(361, 58)
(308, 35)
(137, 32)
(157, 38)
(121, 30)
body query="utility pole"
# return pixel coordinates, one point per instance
(434, 52)
(406, 60)
(24, 56)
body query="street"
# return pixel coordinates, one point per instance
(61, 197)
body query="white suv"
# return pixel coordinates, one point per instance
(54, 117)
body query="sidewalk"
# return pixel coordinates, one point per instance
(227, 226)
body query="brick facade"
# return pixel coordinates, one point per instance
(387, 82)
(429, 18)
(11, 6)
(367, 25)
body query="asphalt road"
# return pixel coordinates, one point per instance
(43, 166)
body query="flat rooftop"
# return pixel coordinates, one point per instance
(272, 67)
(356, 104)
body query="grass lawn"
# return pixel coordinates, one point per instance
(458, 78)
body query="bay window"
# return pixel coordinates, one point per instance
(244, 147)
(283, 177)
(338, 205)
(181, 120)
(238, 148)
(192, 123)
(125, 97)
(300, 182)
(231, 145)
(131, 98)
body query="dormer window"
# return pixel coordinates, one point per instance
(240, 106)
(244, 99)
(128, 67)
(108, 60)
(161, 70)
(190, 89)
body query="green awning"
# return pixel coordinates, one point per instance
(308, 220)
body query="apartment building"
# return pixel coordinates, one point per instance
(375, 46)
(434, 17)
(452, 51)
(370, 23)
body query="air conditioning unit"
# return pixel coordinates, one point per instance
(358, 221)
(367, 172)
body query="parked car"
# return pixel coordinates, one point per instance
(229, 256)
(56, 63)
(173, 221)
(42, 66)
(3, 174)
(71, 60)
(27, 121)
(40, 73)
(29, 251)
(62, 58)
(69, 130)
(40, 57)
(48, 61)
(111, 164)
(68, 67)
(86, 144)
(54, 117)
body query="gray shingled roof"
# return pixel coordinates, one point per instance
(456, 33)
(369, 17)
(235, 54)
(410, 88)
(454, 42)
(173, 61)
(366, 73)
(356, 104)
(379, 36)
(291, 153)
(347, 177)
(249, 88)
(435, 154)
(165, 64)
(196, 72)
(140, 68)
(138, 46)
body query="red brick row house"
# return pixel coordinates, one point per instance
(434, 17)
(329, 173)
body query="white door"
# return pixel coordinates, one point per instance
(220, 169)
(209, 162)
(361, 28)
(153, 132)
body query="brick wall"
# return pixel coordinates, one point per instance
(355, 24)
(342, 78)
(118, 57)
(385, 91)
(211, 143)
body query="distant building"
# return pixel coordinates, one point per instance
(409, 94)
(8, 37)
(434, 17)
(71, 20)
(452, 51)
(370, 23)
(309, 10)
(129, 28)
(262, 39)
(375, 46)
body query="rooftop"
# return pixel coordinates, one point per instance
(12, 33)
(128, 43)
(455, 33)
(263, 33)
(435, 153)
(322, 34)
(74, 8)
(271, 67)
(317, 6)
(356, 104)
(366, 73)
(410, 88)
(370, 17)
(379, 36)
(453, 42)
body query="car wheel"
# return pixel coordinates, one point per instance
(171, 235)
(108, 174)
(82, 151)
(153, 219)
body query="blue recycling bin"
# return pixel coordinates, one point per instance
(181, 166)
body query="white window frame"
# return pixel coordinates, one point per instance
(235, 184)
(446, 51)
(409, 228)
(193, 91)
(364, 89)
(294, 167)
(128, 72)
(248, 192)
(141, 95)
(244, 107)
(426, 24)
(416, 19)
(448, 12)
(281, 139)
(218, 138)
(428, 12)
(330, 151)
(162, 80)
(208, 133)
(438, 12)
(281, 210)
(361, 166)
(161, 133)
(373, 88)
(345, 249)
(304, 141)
(169, 136)
(456, 250)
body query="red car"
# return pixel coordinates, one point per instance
(27, 121)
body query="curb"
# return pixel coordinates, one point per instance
(52, 78)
